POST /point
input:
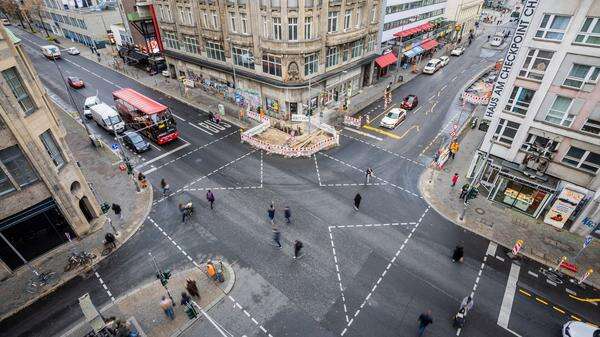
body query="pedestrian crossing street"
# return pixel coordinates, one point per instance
(210, 127)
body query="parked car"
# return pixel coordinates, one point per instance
(410, 102)
(393, 118)
(445, 60)
(457, 51)
(88, 104)
(496, 41)
(5, 22)
(432, 66)
(75, 82)
(136, 142)
(580, 329)
(72, 51)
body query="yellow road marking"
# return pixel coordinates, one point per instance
(558, 309)
(407, 131)
(576, 318)
(385, 133)
(541, 301)
(524, 292)
(591, 300)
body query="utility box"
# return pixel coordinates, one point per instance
(91, 314)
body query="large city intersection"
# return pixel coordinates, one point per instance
(367, 272)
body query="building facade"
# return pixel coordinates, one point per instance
(283, 56)
(86, 22)
(403, 15)
(44, 197)
(465, 13)
(544, 134)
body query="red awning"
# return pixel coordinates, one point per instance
(425, 26)
(429, 44)
(406, 32)
(385, 60)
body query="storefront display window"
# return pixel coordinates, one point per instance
(272, 105)
(520, 196)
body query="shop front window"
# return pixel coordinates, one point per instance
(520, 196)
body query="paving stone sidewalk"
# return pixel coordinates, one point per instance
(109, 185)
(500, 224)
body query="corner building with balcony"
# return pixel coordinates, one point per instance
(43, 194)
(544, 134)
(288, 55)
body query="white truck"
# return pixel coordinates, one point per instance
(51, 52)
(107, 118)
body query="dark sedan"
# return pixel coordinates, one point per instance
(410, 102)
(75, 82)
(135, 142)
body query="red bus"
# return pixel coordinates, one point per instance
(152, 118)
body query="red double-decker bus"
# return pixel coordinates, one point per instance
(148, 116)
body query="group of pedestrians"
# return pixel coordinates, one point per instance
(276, 239)
(168, 305)
(458, 320)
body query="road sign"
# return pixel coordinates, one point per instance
(587, 241)
(115, 146)
(517, 247)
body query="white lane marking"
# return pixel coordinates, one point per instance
(570, 292)
(509, 296)
(363, 133)
(163, 155)
(551, 282)
(337, 270)
(499, 258)
(317, 168)
(215, 125)
(218, 169)
(181, 119)
(201, 129)
(491, 250)
(532, 273)
(112, 298)
(384, 150)
(156, 147)
(208, 127)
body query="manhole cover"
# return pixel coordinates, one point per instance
(480, 211)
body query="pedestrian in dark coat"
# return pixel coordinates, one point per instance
(192, 288)
(277, 237)
(424, 320)
(117, 209)
(297, 247)
(185, 299)
(463, 191)
(211, 198)
(271, 213)
(287, 213)
(357, 199)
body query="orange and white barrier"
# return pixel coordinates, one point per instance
(475, 99)
(256, 116)
(351, 121)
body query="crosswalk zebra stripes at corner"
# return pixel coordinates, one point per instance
(210, 127)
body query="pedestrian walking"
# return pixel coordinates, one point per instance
(467, 304)
(271, 213)
(167, 305)
(463, 191)
(164, 186)
(458, 254)
(454, 179)
(142, 179)
(185, 299)
(424, 320)
(184, 212)
(117, 209)
(297, 247)
(192, 288)
(368, 175)
(211, 198)
(277, 237)
(287, 213)
(454, 147)
(357, 199)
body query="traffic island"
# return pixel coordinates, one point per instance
(141, 306)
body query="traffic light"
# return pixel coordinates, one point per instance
(190, 311)
(164, 277)
(472, 194)
(129, 168)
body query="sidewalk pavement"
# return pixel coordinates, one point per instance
(542, 242)
(141, 306)
(109, 185)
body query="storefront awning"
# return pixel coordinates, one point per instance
(413, 52)
(425, 26)
(406, 32)
(385, 60)
(429, 44)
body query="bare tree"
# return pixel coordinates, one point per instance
(34, 7)
(11, 9)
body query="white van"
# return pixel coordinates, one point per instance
(90, 102)
(432, 66)
(51, 52)
(107, 118)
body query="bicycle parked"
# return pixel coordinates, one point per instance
(36, 283)
(79, 259)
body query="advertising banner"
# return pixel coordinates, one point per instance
(563, 207)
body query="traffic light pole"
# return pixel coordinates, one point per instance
(160, 275)
(212, 321)
(476, 179)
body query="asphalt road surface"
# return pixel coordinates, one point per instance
(367, 272)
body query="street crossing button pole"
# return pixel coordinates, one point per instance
(586, 275)
(562, 260)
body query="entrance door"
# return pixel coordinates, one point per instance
(84, 206)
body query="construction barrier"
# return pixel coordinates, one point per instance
(474, 99)
(256, 116)
(351, 121)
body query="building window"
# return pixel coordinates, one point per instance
(519, 100)
(232, 22)
(265, 27)
(591, 126)
(19, 91)
(345, 53)
(536, 64)
(553, 27)
(506, 131)
(186, 16)
(559, 112)
(5, 185)
(373, 14)
(371, 43)
(358, 17)
(215, 19)
(167, 13)
(581, 74)
(215, 51)
(539, 142)
(347, 18)
(277, 28)
(190, 44)
(170, 40)
(311, 64)
(17, 166)
(243, 57)
(271, 64)
(332, 57)
(52, 149)
(590, 32)
(332, 22)
(308, 28)
(357, 48)
(244, 20)
(205, 19)
(580, 158)
(292, 29)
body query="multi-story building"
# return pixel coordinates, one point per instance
(406, 16)
(44, 197)
(464, 13)
(544, 135)
(83, 21)
(284, 56)
(142, 25)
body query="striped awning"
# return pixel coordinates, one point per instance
(413, 52)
